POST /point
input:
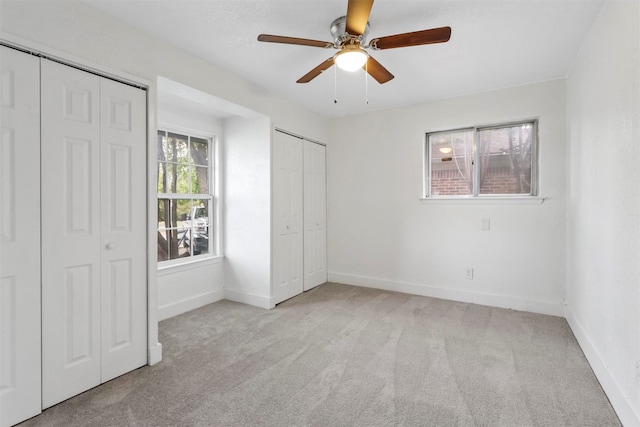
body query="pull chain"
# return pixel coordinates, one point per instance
(335, 84)
(366, 82)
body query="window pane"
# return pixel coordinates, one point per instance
(177, 148)
(171, 213)
(199, 151)
(181, 249)
(200, 180)
(183, 212)
(178, 177)
(172, 242)
(163, 211)
(163, 178)
(163, 245)
(169, 244)
(197, 227)
(505, 159)
(183, 179)
(163, 185)
(162, 146)
(451, 163)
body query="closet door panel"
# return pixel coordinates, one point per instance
(123, 193)
(315, 215)
(20, 391)
(287, 217)
(71, 232)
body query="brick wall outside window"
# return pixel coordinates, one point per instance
(450, 183)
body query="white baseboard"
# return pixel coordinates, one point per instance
(621, 405)
(503, 301)
(175, 308)
(248, 298)
(154, 354)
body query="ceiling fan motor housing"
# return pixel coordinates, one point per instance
(340, 35)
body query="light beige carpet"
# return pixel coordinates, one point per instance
(346, 356)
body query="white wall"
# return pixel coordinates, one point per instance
(381, 234)
(603, 209)
(186, 287)
(246, 158)
(189, 286)
(196, 121)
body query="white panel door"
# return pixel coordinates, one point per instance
(123, 218)
(315, 215)
(19, 237)
(287, 217)
(94, 230)
(71, 235)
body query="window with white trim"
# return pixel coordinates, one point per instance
(499, 160)
(185, 196)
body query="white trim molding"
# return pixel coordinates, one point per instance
(248, 298)
(622, 406)
(551, 308)
(487, 200)
(175, 308)
(154, 354)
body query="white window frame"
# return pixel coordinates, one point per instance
(533, 195)
(213, 217)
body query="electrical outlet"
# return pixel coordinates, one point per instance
(468, 273)
(638, 370)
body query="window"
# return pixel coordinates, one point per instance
(482, 161)
(185, 196)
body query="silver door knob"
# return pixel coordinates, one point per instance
(110, 245)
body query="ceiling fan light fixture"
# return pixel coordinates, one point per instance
(351, 58)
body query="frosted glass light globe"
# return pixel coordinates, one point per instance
(351, 58)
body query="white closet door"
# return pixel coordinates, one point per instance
(123, 217)
(94, 230)
(315, 215)
(71, 236)
(287, 217)
(19, 237)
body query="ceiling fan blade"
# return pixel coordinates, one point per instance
(293, 40)
(377, 71)
(434, 35)
(357, 16)
(325, 65)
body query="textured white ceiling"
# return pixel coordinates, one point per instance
(494, 44)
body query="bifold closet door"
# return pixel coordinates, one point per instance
(93, 230)
(287, 217)
(19, 237)
(315, 215)
(124, 228)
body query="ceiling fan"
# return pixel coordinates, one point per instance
(350, 38)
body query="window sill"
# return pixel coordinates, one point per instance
(188, 264)
(515, 200)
